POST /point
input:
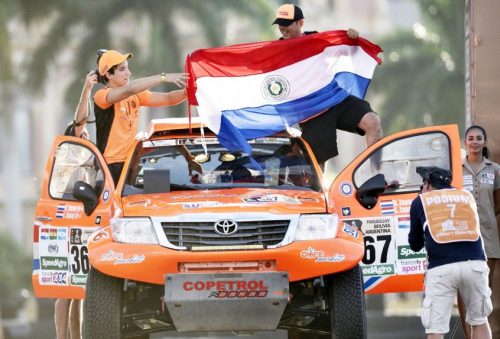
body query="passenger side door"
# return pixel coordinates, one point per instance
(63, 223)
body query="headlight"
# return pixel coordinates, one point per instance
(316, 227)
(133, 231)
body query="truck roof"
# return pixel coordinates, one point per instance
(169, 124)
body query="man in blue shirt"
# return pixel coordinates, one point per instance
(445, 221)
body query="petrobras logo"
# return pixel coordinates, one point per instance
(275, 88)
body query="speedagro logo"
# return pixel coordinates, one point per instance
(54, 263)
(275, 88)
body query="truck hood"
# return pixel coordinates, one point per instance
(224, 201)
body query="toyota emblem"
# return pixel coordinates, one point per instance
(225, 227)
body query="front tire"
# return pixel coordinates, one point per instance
(102, 306)
(347, 305)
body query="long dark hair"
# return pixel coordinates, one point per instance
(485, 152)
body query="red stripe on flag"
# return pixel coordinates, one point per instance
(262, 57)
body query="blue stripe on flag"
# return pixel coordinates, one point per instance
(240, 125)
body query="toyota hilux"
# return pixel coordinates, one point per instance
(197, 238)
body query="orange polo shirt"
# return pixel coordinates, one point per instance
(123, 128)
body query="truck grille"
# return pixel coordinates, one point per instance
(190, 234)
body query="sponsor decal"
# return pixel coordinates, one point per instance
(53, 278)
(53, 234)
(44, 234)
(229, 289)
(415, 266)
(60, 211)
(118, 259)
(100, 236)
(346, 211)
(106, 194)
(404, 223)
(378, 226)
(387, 207)
(200, 204)
(348, 229)
(68, 211)
(75, 236)
(379, 240)
(354, 223)
(62, 234)
(400, 206)
(54, 263)
(346, 189)
(307, 199)
(78, 279)
(53, 248)
(272, 198)
(98, 220)
(275, 88)
(270, 140)
(405, 252)
(378, 270)
(319, 256)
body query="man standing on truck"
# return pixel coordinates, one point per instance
(352, 114)
(445, 220)
(117, 105)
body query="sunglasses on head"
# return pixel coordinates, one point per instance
(101, 52)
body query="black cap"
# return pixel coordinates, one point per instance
(438, 177)
(287, 14)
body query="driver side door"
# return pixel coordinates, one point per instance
(62, 224)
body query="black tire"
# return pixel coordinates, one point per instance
(102, 305)
(347, 305)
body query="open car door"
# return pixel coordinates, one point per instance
(375, 192)
(75, 200)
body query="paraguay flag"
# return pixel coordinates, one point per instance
(254, 90)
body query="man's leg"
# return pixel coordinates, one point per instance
(435, 336)
(370, 124)
(481, 331)
(463, 313)
(61, 310)
(74, 319)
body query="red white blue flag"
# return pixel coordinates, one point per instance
(254, 90)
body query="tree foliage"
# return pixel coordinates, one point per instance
(15, 275)
(95, 18)
(421, 80)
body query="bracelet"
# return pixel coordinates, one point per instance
(163, 77)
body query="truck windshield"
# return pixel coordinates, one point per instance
(165, 165)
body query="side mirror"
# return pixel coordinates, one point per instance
(368, 193)
(86, 194)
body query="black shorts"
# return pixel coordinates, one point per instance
(321, 132)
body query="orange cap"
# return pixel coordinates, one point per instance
(288, 13)
(112, 58)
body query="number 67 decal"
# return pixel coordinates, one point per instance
(372, 246)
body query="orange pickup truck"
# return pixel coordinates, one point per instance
(197, 238)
